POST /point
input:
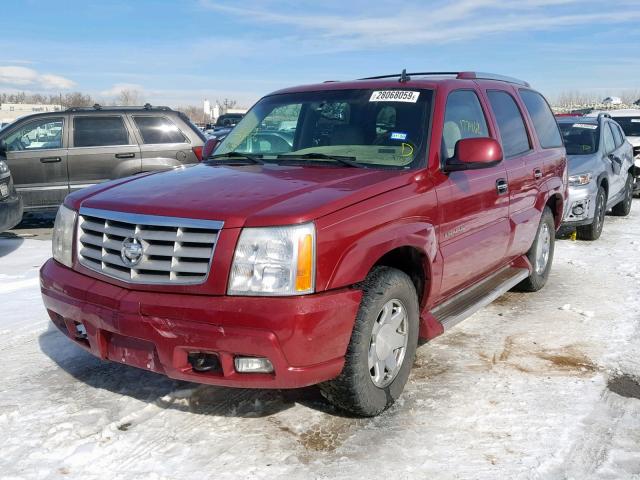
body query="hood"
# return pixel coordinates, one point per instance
(253, 195)
(582, 163)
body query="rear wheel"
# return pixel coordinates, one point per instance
(594, 229)
(540, 254)
(382, 347)
(623, 208)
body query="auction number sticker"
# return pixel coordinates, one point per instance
(394, 96)
(589, 126)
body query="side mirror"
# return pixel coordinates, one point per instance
(474, 153)
(209, 147)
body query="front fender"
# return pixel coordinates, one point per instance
(361, 255)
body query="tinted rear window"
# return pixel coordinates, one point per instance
(158, 130)
(99, 131)
(510, 123)
(543, 119)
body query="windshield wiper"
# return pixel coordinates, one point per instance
(348, 161)
(237, 155)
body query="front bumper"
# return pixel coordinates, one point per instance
(305, 337)
(11, 209)
(580, 206)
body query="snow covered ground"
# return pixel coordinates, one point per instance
(520, 390)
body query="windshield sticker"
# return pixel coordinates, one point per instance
(585, 125)
(394, 96)
(635, 120)
(398, 136)
(407, 150)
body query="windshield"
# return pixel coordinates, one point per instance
(380, 128)
(630, 125)
(580, 138)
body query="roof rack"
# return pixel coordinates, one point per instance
(603, 115)
(98, 107)
(404, 76)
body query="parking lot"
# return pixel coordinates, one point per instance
(537, 385)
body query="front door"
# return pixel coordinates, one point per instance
(37, 156)
(474, 205)
(102, 149)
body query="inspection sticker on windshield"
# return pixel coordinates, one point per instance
(590, 126)
(398, 136)
(394, 96)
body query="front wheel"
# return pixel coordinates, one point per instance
(540, 254)
(623, 208)
(594, 229)
(382, 347)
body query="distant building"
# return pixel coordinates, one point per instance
(11, 111)
(612, 101)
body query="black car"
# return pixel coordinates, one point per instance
(10, 201)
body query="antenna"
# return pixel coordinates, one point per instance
(404, 77)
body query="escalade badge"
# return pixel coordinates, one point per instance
(131, 252)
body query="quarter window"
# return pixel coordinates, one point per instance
(46, 133)
(158, 130)
(463, 118)
(543, 120)
(513, 133)
(99, 131)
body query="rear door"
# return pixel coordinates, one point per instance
(102, 148)
(474, 226)
(37, 156)
(162, 144)
(524, 168)
(620, 161)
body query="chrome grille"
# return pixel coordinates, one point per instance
(174, 250)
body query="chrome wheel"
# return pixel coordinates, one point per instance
(388, 344)
(542, 249)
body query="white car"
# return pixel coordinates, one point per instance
(629, 120)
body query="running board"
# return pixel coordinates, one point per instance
(466, 303)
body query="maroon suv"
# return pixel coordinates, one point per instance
(335, 226)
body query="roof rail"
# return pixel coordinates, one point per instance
(459, 75)
(97, 106)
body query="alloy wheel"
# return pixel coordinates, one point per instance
(388, 344)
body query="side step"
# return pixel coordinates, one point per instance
(466, 303)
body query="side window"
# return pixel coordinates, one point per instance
(46, 133)
(609, 142)
(158, 130)
(543, 120)
(463, 118)
(99, 131)
(617, 136)
(513, 132)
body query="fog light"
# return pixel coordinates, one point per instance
(253, 365)
(578, 210)
(81, 331)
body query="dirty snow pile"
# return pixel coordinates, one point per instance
(539, 386)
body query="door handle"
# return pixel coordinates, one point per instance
(50, 160)
(502, 186)
(537, 174)
(125, 155)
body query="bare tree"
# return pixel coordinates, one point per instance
(129, 97)
(195, 113)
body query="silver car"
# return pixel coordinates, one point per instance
(600, 172)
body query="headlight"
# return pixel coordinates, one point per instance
(4, 168)
(274, 261)
(580, 179)
(62, 240)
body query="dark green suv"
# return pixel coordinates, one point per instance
(55, 153)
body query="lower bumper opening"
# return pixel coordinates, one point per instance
(203, 362)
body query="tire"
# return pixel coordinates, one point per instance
(355, 390)
(540, 254)
(623, 208)
(593, 230)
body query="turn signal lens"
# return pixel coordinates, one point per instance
(304, 273)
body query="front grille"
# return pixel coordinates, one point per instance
(171, 250)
